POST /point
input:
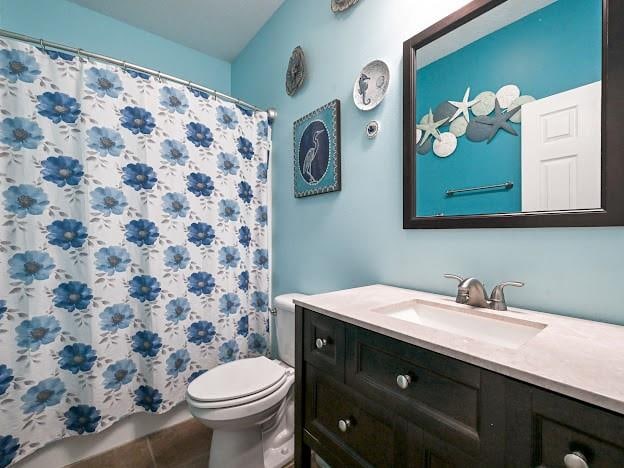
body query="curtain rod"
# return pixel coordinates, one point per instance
(272, 113)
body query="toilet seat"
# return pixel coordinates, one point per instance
(233, 416)
(238, 401)
(237, 379)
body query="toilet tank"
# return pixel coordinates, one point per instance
(285, 327)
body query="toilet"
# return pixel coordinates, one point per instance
(249, 403)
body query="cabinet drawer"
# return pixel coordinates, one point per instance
(546, 427)
(324, 343)
(367, 434)
(443, 395)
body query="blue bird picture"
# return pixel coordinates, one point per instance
(317, 151)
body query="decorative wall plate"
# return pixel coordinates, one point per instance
(295, 75)
(341, 5)
(371, 85)
(317, 151)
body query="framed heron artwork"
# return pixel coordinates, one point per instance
(317, 151)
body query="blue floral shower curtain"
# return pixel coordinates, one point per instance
(133, 243)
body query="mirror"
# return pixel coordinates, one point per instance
(506, 115)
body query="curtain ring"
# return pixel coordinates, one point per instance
(214, 94)
(189, 85)
(42, 43)
(159, 76)
(79, 53)
(124, 66)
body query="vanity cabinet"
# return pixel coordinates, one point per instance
(364, 399)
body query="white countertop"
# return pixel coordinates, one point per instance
(578, 358)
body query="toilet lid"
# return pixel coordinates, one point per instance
(236, 379)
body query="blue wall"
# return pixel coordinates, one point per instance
(68, 23)
(354, 237)
(526, 53)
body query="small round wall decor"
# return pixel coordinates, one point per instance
(372, 129)
(458, 126)
(295, 75)
(485, 106)
(506, 95)
(445, 146)
(371, 85)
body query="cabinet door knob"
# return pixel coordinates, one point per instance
(403, 381)
(320, 343)
(575, 460)
(344, 425)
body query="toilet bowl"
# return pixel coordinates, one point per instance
(249, 403)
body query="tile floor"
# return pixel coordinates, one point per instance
(185, 445)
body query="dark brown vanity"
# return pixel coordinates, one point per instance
(365, 399)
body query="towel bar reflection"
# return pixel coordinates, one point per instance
(507, 185)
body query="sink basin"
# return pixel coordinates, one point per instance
(478, 324)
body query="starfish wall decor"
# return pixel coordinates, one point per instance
(488, 113)
(498, 121)
(430, 126)
(463, 106)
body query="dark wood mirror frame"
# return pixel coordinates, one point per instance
(611, 212)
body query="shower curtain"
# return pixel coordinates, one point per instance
(133, 243)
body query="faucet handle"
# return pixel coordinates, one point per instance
(497, 298)
(455, 277)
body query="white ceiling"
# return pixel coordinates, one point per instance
(221, 28)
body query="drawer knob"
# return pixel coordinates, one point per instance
(575, 460)
(403, 381)
(344, 425)
(320, 343)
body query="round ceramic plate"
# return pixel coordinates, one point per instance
(295, 75)
(371, 85)
(342, 5)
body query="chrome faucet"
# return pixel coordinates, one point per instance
(472, 292)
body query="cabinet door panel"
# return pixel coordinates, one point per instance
(427, 451)
(544, 427)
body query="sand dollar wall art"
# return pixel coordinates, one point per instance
(478, 118)
(316, 138)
